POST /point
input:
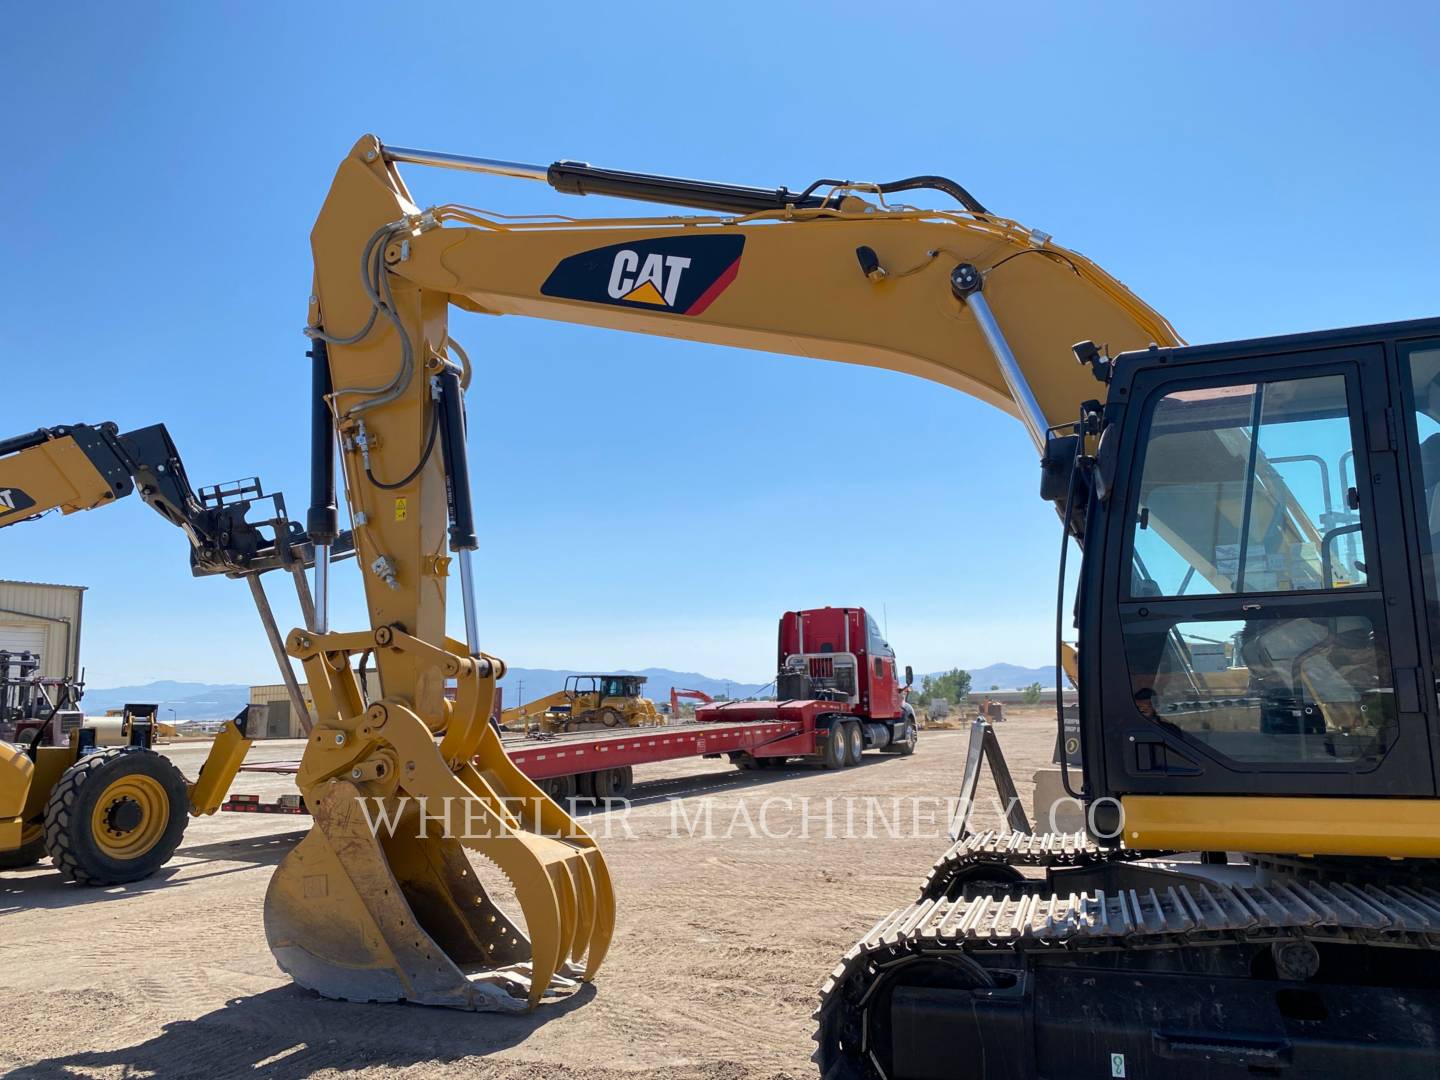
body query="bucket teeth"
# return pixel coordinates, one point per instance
(399, 914)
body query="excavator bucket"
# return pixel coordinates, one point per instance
(380, 902)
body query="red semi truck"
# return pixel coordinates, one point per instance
(838, 693)
(838, 683)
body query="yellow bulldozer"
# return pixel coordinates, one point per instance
(587, 701)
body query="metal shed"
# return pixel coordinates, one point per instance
(45, 619)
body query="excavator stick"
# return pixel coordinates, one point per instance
(380, 902)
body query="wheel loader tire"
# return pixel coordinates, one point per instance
(835, 755)
(116, 816)
(854, 743)
(30, 851)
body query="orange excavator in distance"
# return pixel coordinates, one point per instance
(693, 695)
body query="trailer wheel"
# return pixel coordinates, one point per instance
(585, 785)
(624, 781)
(559, 788)
(614, 783)
(116, 816)
(854, 743)
(835, 755)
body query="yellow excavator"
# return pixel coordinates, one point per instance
(109, 814)
(1257, 620)
(587, 701)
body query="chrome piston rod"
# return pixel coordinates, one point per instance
(467, 602)
(967, 283)
(492, 166)
(322, 589)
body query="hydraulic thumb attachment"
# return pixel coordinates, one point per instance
(379, 902)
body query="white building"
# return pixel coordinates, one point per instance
(43, 619)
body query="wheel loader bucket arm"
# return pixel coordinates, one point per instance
(68, 469)
(84, 466)
(227, 754)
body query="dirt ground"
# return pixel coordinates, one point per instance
(720, 945)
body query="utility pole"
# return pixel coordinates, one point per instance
(520, 692)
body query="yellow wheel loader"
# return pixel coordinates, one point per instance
(588, 701)
(108, 814)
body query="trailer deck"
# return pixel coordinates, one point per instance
(762, 730)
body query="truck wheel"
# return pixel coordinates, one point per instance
(835, 755)
(854, 743)
(116, 816)
(909, 738)
(30, 851)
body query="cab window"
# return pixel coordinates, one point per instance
(1249, 488)
(1269, 689)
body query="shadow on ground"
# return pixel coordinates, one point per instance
(42, 887)
(288, 1032)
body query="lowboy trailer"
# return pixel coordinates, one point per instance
(840, 696)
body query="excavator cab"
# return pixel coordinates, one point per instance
(1249, 558)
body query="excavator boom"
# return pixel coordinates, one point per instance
(980, 303)
(824, 273)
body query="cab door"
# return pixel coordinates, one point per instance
(884, 695)
(1261, 635)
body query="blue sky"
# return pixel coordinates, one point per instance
(1248, 169)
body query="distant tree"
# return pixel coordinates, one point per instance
(994, 686)
(952, 687)
(1031, 694)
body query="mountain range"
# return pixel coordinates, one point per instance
(219, 701)
(177, 700)
(1010, 677)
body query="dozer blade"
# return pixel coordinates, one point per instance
(398, 914)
